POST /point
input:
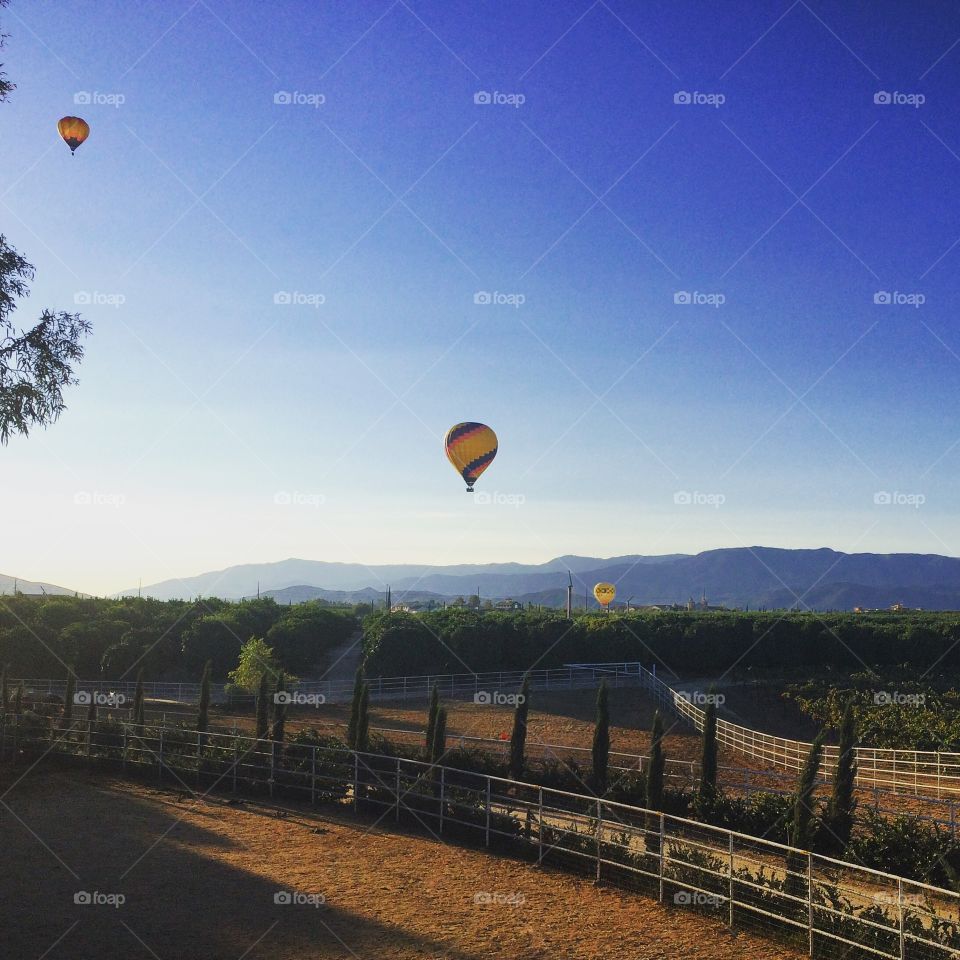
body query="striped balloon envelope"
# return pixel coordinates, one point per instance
(471, 448)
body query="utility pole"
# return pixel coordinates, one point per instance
(570, 596)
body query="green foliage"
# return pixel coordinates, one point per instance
(355, 708)
(518, 737)
(432, 712)
(804, 813)
(839, 816)
(439, 745)
(363, 721)
(657, 765)
(138, 702)
(68, 696)
(263, 707)
(707, 790)
(4, 691)
(601, 740)
(279, 709)
(203, 708)
(256, 660)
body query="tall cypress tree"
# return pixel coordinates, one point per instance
(358, 685)
(18, 700)
(203, 710)
(279, 709)
(68, 695)
(432, 712)
(138, 708)
(439, 744)
(92, 709)
(802, 816)
(838, 822)
(363, 720)
(601, 740)
(263, 707)
(656, 766)
(707, 790)
(518, 738)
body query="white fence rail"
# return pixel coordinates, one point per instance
(834, 908)
(918, 772)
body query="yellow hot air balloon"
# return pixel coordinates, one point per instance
(74, 131)
(471, 448)
(604, 592)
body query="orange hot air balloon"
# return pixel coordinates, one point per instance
(74, 131)
(604, 592)
(471, 448)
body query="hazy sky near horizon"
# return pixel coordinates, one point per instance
(333, 155)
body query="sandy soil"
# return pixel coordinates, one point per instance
(199, 879)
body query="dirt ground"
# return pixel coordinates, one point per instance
(200, 878)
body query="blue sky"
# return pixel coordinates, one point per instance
(787, 193)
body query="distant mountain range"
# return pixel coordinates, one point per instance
(10, 585)
(752, 577)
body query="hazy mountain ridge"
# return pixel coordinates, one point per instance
(737, 577)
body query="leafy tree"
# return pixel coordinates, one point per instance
(838, 821)
(256, 660)
(432, 712)
(707, 791)
(518, 738)
(601, 740)
(203, 709)
(4, 691)
(279, 709)
(36, 364)
(6, 86)
(355, 707)
(263, 707)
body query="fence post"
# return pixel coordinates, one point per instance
(810, 903)
(273, 754)
(124, 747)
(599, 833)
(540, 826)
(661, 858)
(199, 751)
(900, 912)
(487, 841)
(730, 868)
(398, 789)
(356, 781)
(442, 781)
(313, 775)
(160, 759)
(236, 760)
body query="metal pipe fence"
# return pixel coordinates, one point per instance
(927, 772)
(833, 908)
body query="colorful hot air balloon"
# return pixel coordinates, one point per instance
(74, 131)
(471, 448)
(604, 592)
